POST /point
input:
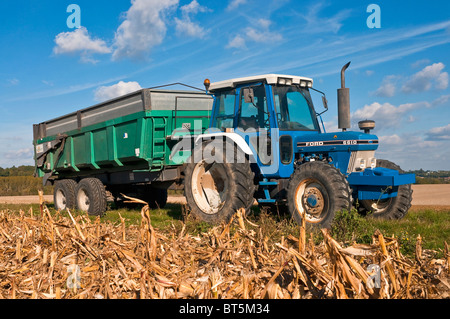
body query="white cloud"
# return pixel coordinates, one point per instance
(316, 24)
(388, 87)
(262, 32)
(189, 28)
(411, 119)
(420, 63)
(20, 154)
(234, 4)
(441, 100)
(79, 41)
(238, 42)
(404, 148)
(401, 148)
(386, 115)
(185, 25)
(105, 93)
(442, 81)
(144, 27)
(193, 8)
(259, 33)
(331, 126)
(425, 79)
(390, 140)
(439, 133)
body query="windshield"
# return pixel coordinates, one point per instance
(294, 109)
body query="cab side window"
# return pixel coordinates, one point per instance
(254, 115)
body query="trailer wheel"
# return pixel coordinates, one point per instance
(64, 194)
(317, 191)
(91, 196)
(390, 208)
(215, 190)
(156, 197)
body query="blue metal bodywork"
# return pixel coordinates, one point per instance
(378, 183)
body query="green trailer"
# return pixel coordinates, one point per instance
(121, 146)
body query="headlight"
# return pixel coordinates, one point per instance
(362, 164)
(284, 81)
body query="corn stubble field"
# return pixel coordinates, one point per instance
(231, 261)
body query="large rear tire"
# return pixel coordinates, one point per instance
(391, 208)
(214, 189)
(317, 190)
(64, 194)
(91, 196)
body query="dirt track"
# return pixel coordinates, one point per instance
(424, 195)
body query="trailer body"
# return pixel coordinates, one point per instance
(126, 140)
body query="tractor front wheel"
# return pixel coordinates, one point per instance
(390, 208)
(316, 191)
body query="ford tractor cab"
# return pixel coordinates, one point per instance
(266, 141)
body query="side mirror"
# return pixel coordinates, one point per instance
(249, 95)
(325, 102)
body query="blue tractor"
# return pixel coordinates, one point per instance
(265, 142)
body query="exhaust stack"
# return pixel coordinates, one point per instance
(344, 102)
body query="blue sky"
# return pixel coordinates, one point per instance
(398, 76)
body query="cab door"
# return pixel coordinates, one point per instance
(255, 122)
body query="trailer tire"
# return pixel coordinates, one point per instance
(91, 196)
(318, 190)
(391, 208)
(64, 194)
(156, 197)
(215, 190)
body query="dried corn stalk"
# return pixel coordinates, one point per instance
(49, 256)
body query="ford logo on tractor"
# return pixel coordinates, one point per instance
(314, 143)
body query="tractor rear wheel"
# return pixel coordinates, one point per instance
(317, 190)
(215, 189)
(390, 208)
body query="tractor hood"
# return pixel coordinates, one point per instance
(335, 142)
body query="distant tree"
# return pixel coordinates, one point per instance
(17, 171)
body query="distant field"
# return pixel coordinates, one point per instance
(431, 195)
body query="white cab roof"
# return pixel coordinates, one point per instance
(269, 78)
